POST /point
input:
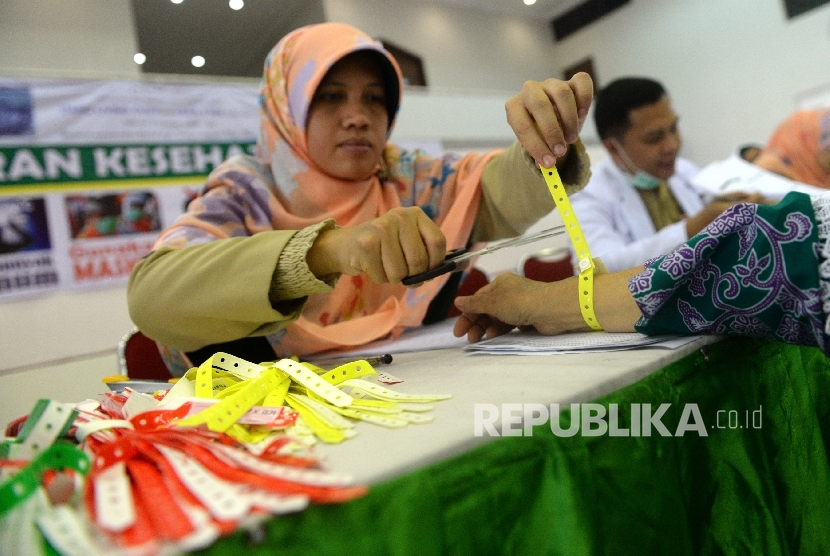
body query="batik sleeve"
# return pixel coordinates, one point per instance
(752, 272)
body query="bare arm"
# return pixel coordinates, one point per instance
(551, 308)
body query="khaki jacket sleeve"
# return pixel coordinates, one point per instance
(514, 194)
(222, 290)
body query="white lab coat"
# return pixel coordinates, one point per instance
(615, 220)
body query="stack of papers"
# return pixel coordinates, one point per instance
(533, 343)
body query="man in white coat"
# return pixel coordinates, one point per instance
(641, 203)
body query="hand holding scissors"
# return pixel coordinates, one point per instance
(455, 257)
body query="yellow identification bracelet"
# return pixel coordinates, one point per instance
(586, 262)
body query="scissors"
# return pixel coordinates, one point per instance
(457, 256)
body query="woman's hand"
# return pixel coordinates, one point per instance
(507, 302)
(402, 242)
(549, 307)
(547, 116)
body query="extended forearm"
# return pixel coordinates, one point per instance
(615, 308)
(558, 309)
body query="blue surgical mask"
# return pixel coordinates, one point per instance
(640, 179)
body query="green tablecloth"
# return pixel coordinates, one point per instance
(736, 491)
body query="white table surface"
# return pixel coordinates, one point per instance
(377, 454)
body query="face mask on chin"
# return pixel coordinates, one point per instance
(643, 180)
(640, 179)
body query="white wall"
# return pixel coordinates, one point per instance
(734, 68)
(67, 37)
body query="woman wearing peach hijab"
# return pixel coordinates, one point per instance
(301, 249)
(799, 149)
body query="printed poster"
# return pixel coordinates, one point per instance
(92, 171)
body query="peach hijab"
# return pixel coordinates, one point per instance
(794, 147)
(300, 194)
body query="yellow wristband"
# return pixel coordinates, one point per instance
(583, 255)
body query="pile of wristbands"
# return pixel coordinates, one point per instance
(230, 444)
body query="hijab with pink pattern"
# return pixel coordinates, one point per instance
(795, 146)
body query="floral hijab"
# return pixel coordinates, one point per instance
(793, 149)
(300, 194)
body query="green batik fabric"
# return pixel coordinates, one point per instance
(752, 272)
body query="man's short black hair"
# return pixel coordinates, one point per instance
(618, 98)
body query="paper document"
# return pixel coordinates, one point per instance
(737, 175)
(533, 343)
(423, 338)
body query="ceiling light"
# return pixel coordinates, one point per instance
(176, 1)
(139, 58)
(197, 61)
(527, 2)
(236, 4)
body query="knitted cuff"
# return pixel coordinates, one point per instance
(292, 278)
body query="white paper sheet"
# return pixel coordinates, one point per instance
(533, 343)
(737, 175)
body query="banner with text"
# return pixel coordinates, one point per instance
(91, 171)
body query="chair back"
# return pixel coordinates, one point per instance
(547, 265)
(474, 279)
(139, 357)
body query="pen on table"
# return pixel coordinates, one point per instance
(384, 359)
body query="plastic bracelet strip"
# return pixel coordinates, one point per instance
(234, 365)
(380, 412)
(324, 411)
(413, 407)
(379, 405)
(276, 397)
(47, 421)
(227, 412)
(389, 421)
(222, 499)
(321, 428)
(583, 254)
(60, 455)
(114, 504)
(312, 381)
(67, 532)
(355, 369)
(382, 393)
(309, 476)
